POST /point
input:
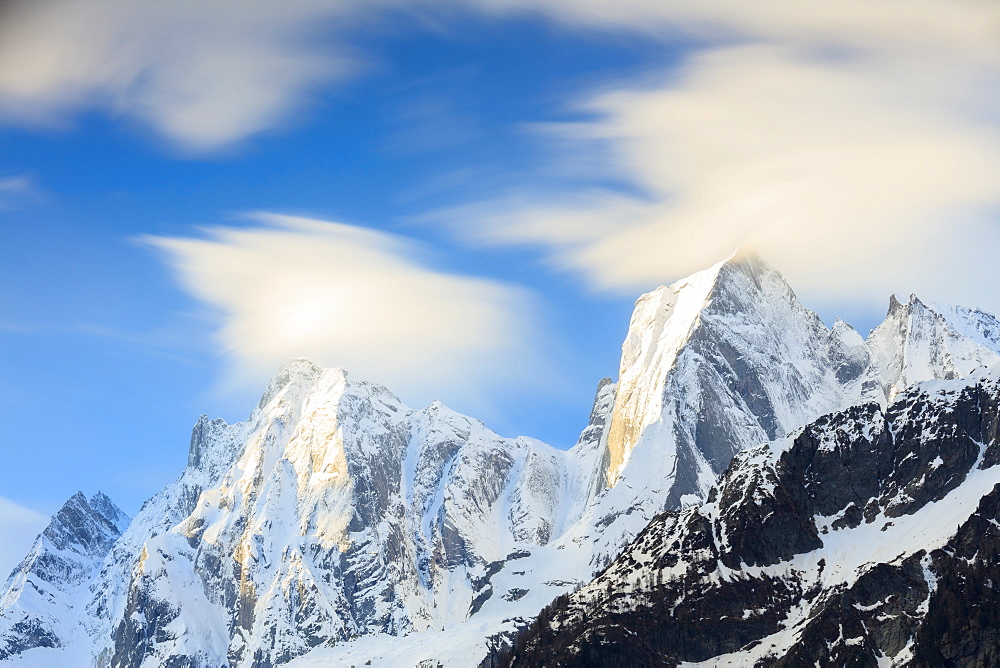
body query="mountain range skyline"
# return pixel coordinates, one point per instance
(190, 196)
(392, 523)
(518, 278)
(24, 524)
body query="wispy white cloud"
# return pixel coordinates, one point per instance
(173, 343)
(17, 189)
(357, 298)
(19, 526)
(16, 185)
(854, 144)
(202, 75)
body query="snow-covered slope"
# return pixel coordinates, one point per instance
(335, 520)
(723, 360)
(869, 538)
(720, 361)
(339, 513)
(43, 599)
(925, 341)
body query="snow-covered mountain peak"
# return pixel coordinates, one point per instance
(661, 324)
(86, 527)
(733, 335)
(102, 504)
(843, 326)
(718, 362)
(850, 339)
(896, 304)
(43, 598)
(926, 341)
(294, 371)
(334, 511)
(336, 515)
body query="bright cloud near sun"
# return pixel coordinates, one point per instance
(356, 298)
(854, 144)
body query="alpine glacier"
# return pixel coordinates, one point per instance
(337, 525)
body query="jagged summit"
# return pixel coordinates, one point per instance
(296, 369)
(926, 341)
(662, 324)
(336, 518)
(103, 505)
(84, 526)
(747, 261)
(43, 598)
(895, 304)
(333, 509)
(734, 335)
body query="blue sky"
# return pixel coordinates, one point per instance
(461, 200)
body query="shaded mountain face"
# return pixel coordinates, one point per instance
(43, 598)
(726, 359)
(718, 362)
(869, 538)
(337, 525)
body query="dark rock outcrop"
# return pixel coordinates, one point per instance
(796, 557)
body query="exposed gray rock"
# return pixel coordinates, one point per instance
(44, 596)
(768, 573)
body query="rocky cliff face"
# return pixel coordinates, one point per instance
(44, 596)
(341, 513)
(337, 525)
(868, 538)
(718, 362)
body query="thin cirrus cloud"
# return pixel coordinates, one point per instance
(201, 75)
(16, 190)
(356, 298)
(855, 145)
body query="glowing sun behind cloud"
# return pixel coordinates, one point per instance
(356, 298)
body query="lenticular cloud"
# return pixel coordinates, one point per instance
(355, 298)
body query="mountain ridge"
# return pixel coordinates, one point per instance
(335, 520)
(41, 600)
(783, 553)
